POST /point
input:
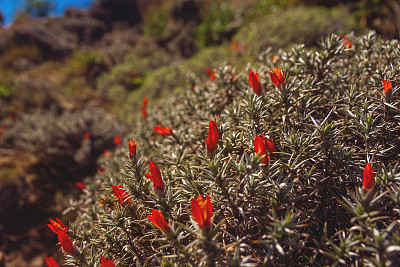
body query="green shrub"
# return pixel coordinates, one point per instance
(296, 25)
(306, 208)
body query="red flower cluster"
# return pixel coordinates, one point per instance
(368, 177)
(162, 130)
(212, 74)
(144, 112)
(213, 136)
(121, 195)
(277, 76)
(254, 80)
(262, 145)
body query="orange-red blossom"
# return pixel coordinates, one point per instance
(158, 220)
(262, 145)
(213, 136)
(202, 211)
(277, 76)
(57, 226)
(212, 74)
(155, 176)
(162, 130)
(254, 81)
(387, 86)
(368, 177)
(121, 194)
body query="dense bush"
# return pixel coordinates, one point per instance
(296, 25)
(305, 207)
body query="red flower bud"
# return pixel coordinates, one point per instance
(277, 76)
(213, 136)
(346, 42)
(86, 135)
(158, 220)
(387, 86)
(57, 226)
(202, 211)
(155, 176)
(368, 177)
(106, 263)
(51, 262)
(80, 185)
(162, 130)
(121, 195)
(132, 149)
(144, 112)
(117, 140)
(212, 74)
(254, 80)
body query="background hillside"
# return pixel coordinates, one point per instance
(69, 85)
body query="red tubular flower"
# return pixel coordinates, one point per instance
(80, 185)
(254, 80)
(86, 135)
(213, 136)
(158, 220)
(144, 112)
(51, 262)
(106, 263)
(106, 153)
(212, 74)
(155, 176)
(57, 226)
(117, 140)
(202, 211)
(387, 86)
(260, 147)
(66, 243)
(368, 177)
(121, 194)
(145, 100)
(162, 130)
(277, 76)
(132, 149)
